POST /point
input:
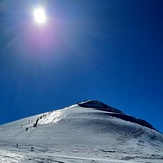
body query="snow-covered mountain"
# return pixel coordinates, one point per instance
(90, 131)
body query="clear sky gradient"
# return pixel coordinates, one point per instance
(108, 50)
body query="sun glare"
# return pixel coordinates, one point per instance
(39, 15)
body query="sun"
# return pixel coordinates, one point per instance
(39, 15)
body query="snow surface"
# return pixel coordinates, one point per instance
(79, 134)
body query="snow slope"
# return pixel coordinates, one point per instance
(86, 132)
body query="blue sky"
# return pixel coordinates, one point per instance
(108, 50)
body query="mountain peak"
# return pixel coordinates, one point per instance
(98, 105)
(89, 124)
(114, 112)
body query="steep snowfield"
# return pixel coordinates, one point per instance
(79, 134)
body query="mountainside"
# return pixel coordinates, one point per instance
(86, 131)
